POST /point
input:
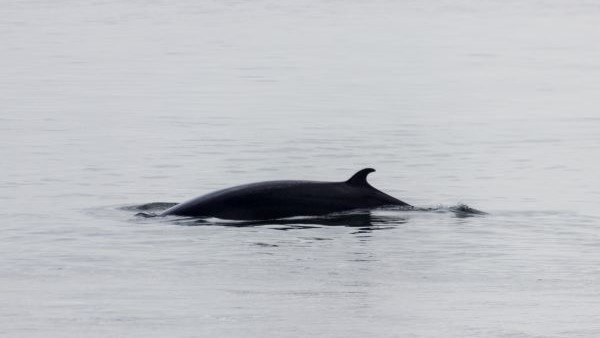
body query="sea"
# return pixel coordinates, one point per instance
(107, 106)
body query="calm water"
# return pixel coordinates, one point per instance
(107, 104)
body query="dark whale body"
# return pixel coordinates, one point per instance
(281, 199)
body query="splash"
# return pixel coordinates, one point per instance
(149, 210)
(460, 210)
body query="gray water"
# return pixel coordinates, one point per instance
(109, 104)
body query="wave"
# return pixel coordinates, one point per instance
(353, 218)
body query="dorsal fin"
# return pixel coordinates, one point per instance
(360, 178)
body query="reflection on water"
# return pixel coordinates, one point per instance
(364, 220)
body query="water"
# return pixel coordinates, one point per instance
(109, 104)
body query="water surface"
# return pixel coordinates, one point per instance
(108, 104)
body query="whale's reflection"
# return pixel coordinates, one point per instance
(362, 221)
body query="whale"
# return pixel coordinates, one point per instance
(287, 198)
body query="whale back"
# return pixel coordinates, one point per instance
(280, 199)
